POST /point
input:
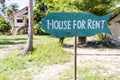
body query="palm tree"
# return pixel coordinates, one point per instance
(12, 9)
(29, 43)
(9, 11)
(14, 6)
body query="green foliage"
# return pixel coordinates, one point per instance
(101, 37)
(51, 53)
(38, 11)
(4, 25)
(61, 6)
(98, 7)
(14, 7)
(38, 30)
(9, 11)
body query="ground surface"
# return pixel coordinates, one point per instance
(90, 57)
(105, 57)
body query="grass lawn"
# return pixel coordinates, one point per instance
(47, 51)
(5, 41)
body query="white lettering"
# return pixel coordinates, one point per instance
(83, 24)
(79, 24)
(65, 24)
(102, 22)
(74, 24)
(98, 24)
(89, 23)
(49, 24)
(69, 24)
(56, 24)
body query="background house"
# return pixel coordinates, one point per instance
(114, 25)
(20, 21)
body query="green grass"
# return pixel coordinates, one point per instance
(51, 53)
(47, 51)
(5, 41)
(87, 73)
(10, 65)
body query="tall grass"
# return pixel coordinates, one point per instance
(10, 65)
(51, 53)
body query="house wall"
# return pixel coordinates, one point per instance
(19, 24)
(20, 15)
(115, 29)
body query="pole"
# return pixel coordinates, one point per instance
(75, 59)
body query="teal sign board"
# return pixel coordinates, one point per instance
(63, 24)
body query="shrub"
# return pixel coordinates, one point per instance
(38, 30)
(4, 25)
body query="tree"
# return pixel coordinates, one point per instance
(29, 43)
(4, 25)
(14, 7)
(9, 11)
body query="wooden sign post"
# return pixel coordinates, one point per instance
(64, 24)
(75, 59)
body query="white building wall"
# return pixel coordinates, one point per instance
(19, 24)
(115, 29)
(19, 15)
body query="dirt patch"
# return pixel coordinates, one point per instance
(106, 58)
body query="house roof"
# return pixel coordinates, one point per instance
(21, 10)
(25, 8)
(115, 13)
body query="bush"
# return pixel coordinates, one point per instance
(38, 30)
(102, 38)
(5, 26)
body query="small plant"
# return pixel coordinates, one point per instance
(101, 37)
(38, 30)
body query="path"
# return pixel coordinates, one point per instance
(10, 48)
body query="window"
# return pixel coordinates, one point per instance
(19, 21)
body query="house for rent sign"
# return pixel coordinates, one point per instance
(64, 24)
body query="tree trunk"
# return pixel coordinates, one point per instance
(29, 43)
(81, 40)
(61, 39)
